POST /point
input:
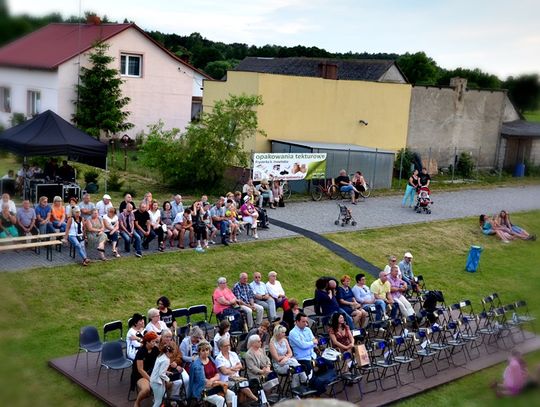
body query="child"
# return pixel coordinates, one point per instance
(159, 377)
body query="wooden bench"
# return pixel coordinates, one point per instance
(36, 242)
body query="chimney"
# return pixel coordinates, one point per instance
(459, 85)
(328, 71)
(93, 19)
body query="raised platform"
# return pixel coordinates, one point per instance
(117, 393)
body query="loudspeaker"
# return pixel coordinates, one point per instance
(49, 190)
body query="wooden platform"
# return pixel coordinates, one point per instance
(118, 392)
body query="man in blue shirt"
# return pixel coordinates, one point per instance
(302, 341)
(405, 266)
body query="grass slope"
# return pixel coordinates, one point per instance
(42, 309)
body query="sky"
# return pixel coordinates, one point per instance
(498, 36)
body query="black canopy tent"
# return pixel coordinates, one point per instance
(48, 134)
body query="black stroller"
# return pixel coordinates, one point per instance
(345, 216)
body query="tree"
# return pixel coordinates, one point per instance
(476, 78)
(100, 102)
(419, 68)
(201, 155)
(524, 91)
(218, 69)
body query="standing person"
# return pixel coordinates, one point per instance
(126, 221)
(344, 184)
(26, 219)
(410, 190)
(424, 179)
(75, 234)
(159, 377)
(43, 216)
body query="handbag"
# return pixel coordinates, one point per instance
(281, 203)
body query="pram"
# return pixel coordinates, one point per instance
(423, 201)
(345, 216)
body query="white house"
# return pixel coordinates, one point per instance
(40, 70)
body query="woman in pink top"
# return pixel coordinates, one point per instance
(223, 297)
(514, 377)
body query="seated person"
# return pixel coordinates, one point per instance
(504, 220)
(111, 229)
(220, 221)
(348, 303)
(398, 288)
(6, 200)
(289, 316)
(345, 185)
(282, 355)
(8, 223)
(95, 233)
(143, 225)
(325, 299)
(58, 214)
(189, 346)
(223, 332)
(66, 172)
(231, 216)
(340, 334)
(250, 215)
(229, 366)
(126, 221)
(211, 230)
(175, 371)
(381, 289)
(43, 216)
(165, 312)
(104, 205)
(10, 175)
(366, 298)
(277, 191)
(225, 304)
(155, 324)
(262, 297)
(246, 299)
(265, 193)
(276, 291)
(145, 360)
(26, 219)
(155, 223)
(261, 331)
(515, 376)
(407, 275)
(490, 227)
(87, 206)
(258, 365)
(204, 376)
(72, 203)
(134, 336)
(127, 199)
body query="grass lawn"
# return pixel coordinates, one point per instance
(533, 116)
(44, 308)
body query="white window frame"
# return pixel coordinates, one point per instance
(5, 99)
(33, 104)
(127, 57)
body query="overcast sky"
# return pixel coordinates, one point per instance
(500, 37)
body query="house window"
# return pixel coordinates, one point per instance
(130, 65)
(5, 100)
(34, 103)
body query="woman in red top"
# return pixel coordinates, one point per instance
(340, 333)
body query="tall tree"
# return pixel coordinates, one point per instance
(524, 90)
(419, 68)
(100, 102)
(476, 78)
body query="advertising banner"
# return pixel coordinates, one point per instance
(289, 166)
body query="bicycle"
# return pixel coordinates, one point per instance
(286, 190)
(364, 194)
(326, 188)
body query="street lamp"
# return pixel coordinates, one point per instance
(125, 141)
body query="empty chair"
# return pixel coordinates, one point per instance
(200, 311)
(89, 342)
(116, 327)
(181, 315)
(523, 317)
(113, 358)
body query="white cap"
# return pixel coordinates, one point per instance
(106, 196)
(408, 254)
(246, 198)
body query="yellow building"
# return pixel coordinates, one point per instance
(320, 105)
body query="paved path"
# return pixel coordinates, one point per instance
(375, 212)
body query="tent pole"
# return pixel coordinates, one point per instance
(106, 171)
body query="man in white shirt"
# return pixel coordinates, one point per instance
(104, 205)
(262, 297)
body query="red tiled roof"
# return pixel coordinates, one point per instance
(54, 44)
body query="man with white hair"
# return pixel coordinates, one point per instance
(177, 207)
(262, 296)
(246, 300)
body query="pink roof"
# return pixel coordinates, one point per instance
(54, 44)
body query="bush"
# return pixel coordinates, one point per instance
(465, 165)
(91, 176)
(114, 183)
(409, 159)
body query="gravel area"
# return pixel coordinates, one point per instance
(320, 216)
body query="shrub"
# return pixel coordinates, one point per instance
(114, 183)
(465, 165)
(91, 176)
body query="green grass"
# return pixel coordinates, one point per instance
(44, 308)
(532, 116)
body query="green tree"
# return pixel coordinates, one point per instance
(218, 69)
(100, 102)
(201, 155)
(419, 68)
(524, 91)
(476, 78)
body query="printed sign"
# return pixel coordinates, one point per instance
(289, 166)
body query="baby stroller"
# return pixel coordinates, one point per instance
(345, 216)
(423, 201)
